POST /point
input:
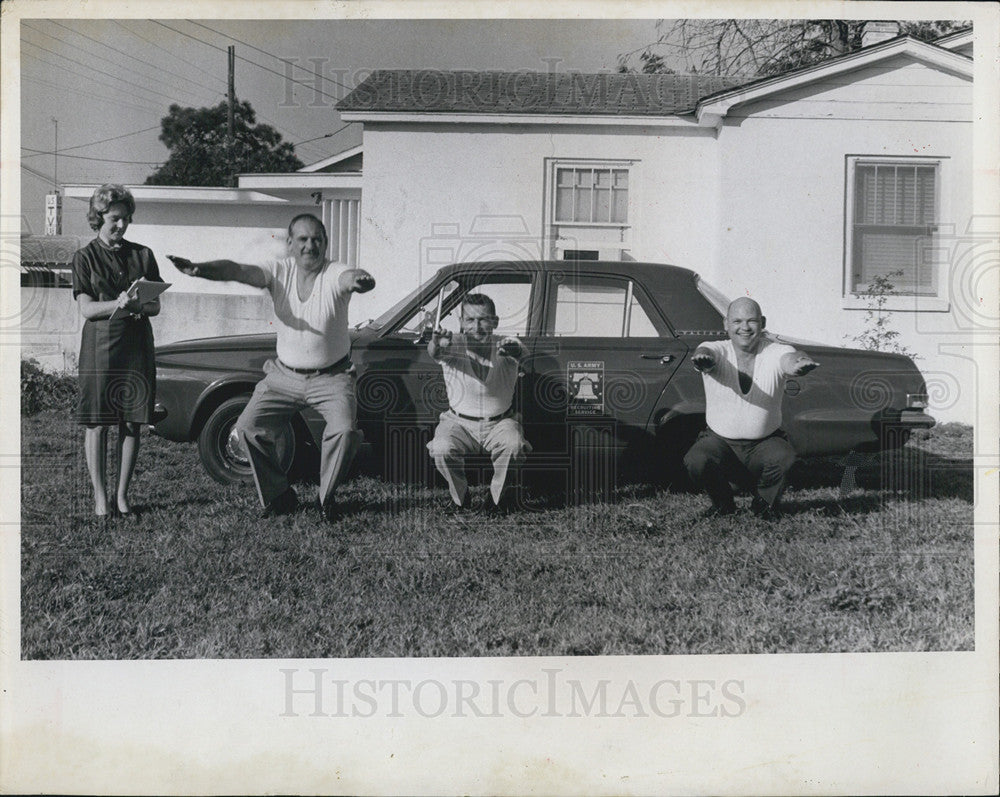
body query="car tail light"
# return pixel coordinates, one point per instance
(917, 400)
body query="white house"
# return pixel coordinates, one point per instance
(796, 189)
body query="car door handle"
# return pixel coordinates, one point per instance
(663, 358)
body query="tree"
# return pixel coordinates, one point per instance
(201, 155)
(759, 47)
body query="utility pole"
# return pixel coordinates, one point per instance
(55, 155)
(53, 199)
(230, 132)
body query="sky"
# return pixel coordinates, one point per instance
(109, 82)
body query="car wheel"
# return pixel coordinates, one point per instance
(221, 451)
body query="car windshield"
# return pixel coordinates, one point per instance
(715, 297)
(384, 319)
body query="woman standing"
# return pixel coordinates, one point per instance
(117, 371)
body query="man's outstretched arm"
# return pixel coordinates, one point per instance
(356, 280)
(797, 363)
(222, 270)
(703, 360)
(439, 346)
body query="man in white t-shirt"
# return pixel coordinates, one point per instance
(744, 380)
(313, 367)
(480, 375)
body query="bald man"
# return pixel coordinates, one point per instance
(744, 380)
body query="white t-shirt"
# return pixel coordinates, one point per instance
(469, 395)
(731, 413)
(311, 333)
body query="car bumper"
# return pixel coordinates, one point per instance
(914, 419)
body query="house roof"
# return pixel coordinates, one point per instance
(348, 160)
(198, 194)
(465, 94)
(958, 38)
(544, 93)
(712, 108)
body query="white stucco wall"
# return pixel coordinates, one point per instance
(482, 188)
(201, 231)
(782, 209)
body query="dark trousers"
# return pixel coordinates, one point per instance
(760, 465)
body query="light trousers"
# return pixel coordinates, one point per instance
(456, 437)
(277, 397)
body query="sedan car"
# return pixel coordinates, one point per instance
(606, 389)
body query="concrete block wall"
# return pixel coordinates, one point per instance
(50, 322)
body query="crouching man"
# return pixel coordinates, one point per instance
(313, 367)
(480, 374)
(744, 380)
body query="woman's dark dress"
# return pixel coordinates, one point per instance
(117, 369)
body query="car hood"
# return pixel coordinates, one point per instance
(226, 343)
(794, 341)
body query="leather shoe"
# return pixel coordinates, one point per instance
(507, 505)
(764, 510)
(329, 512)
(451, 508)
(717, 512)
(284, 504)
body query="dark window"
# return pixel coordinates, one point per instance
(580, 254)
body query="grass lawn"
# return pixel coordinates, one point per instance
(199, 575)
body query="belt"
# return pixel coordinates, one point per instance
(341, 363)
(505, 414)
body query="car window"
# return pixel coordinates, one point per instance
(510, 293)
(426, 313)
(512, 300)
(596, 307)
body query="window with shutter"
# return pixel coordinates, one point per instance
(894, 216)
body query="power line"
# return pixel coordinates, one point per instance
(326, 135)
(168, 52)
(93, 143)
(127, 55)
(272, 55)
(63, 87)
(252, 63)
(92, 55)
(104, 160)
(134, 33)
(94, 69)
(47, 178)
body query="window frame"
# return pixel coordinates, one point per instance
(633, 290)
(468, 282)
(593, 166)
(853, 299)
(580, 239)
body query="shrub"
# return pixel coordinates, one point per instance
(878, 335)
(45, 390)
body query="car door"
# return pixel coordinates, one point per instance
(605, 357)
(401, 392)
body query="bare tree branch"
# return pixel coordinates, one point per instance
(753, 47)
